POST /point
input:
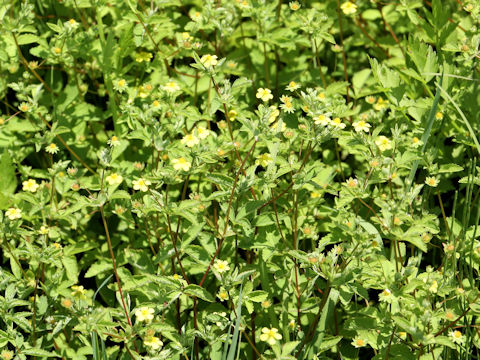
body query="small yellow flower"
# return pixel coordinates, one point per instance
(222, 295)
(6, 355)
(141, 184)
(294, 5)
(352, 183)
(434, 287)
(385, 295)
(416, 142)
(361, 125)
(67, 303)
(348, 8)
(170, 87)
(209, 60)
(120, 85)
(181, 164)
(78, 292)
(221, 266)
(231, 64)
(370, 99)
(285, 98)
(57, 50)
(449, 315)
(232, 114)
(383, 143)
(113, 141)
(270, 335)
(322, 120)
(337, 123)
(30, 185)
(291, 324)
(114, 179)
(13, 213)
(52, 148)
(274, 112)
(143, 56)
(264, 94)
(190, 140)
(432, 181)
(321, 96)
(264, 160)
(266, 304)
(359, 342)
(144, 314)
(25, 107)
(292, 85)
(456, 336)
(43, 230)
(381, 104)
(439, 115)
(202, 132)
(153, 342)
(288, 107)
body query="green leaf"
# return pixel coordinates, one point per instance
(198, 291)
(449, 168)
(8, 180)
(71, 268)
(39, 353)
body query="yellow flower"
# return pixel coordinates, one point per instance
(381, 104)
(202, 132)
(321, 96)
(352, 183)
(24, 107)
(78, 292)
(288, 107)
(264, 159)
(13, 213)
(456, 336)
(144, 314)
(266, 304)
(141, 184)
(270, 335)
(434, 287)
(294, 5)
(383, 143)
(232, 114)
(120, 85)
(114, 179)
(358, 342)
(113, 141)
(6, 355)
(264, 94)
(285, 98)
(222, 295)
(274, 112)
(416, 142)
(153, 342)
(292, 85)
(322, 120)
(30, 185)
(385, 295)
(361, 125)
(432, 181)
(170, 87)
(439, 115)
(209, 60)
(190, 140)
(449, 315)
(221, 266)
(52, 148)
(143, 56)
(348, 8)
(57, 50)
(370, 99)
(181, 164)
(337, 123)
(43, 230)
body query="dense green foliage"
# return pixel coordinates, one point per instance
(239, 179)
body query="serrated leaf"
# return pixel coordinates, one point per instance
(198, 291)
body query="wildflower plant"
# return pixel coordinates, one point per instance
(239, 179)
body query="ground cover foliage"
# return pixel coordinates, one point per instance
(239, 179)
